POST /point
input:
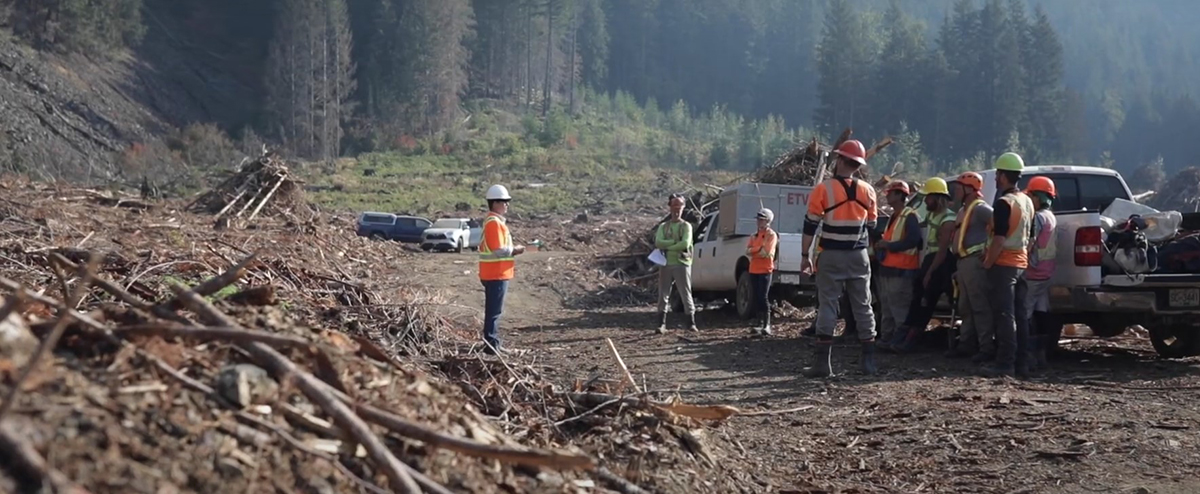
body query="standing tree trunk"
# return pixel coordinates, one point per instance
(549, 56)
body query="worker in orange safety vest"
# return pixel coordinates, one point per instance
(900, 261)
(496, 265)
(845, 210)
(761, 251)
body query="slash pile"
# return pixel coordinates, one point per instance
(258, 184)
(143, 351)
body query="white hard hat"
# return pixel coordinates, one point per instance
(498, 193)
(766, 214)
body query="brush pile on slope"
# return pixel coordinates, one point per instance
(179, 358)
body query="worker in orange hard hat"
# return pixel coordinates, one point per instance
(936, 268)
(976, 338)
(1034, 286)
(901, 259)
(844, 209)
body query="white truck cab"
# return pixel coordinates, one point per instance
(1083, 292)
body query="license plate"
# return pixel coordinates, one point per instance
(790, 279)
(1184, 297)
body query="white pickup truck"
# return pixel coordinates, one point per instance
(1083, 292)
(720, 267)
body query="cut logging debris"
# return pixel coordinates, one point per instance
(259, 183)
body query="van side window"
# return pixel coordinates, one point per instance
(406, 222)
(703, 228)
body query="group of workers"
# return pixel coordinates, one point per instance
(1000, 257)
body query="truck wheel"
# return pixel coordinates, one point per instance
(376, 236)
(458, 248)
(1176, 341)
(744, 298)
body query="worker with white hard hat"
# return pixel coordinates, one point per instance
(761, 251)
(496, 265)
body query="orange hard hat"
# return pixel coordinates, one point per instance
(853, 151)
(1041, 184)
(897, 186)
(971, 179)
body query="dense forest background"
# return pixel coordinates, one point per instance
(1108, 82)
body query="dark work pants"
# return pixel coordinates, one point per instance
(493, 307)
(1022, 315)
(925, 298)
(760, 284)
(1002, 291)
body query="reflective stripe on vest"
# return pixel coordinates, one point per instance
(908, 259)
(1014, 250)
(496, 265)
(846, 219)
(933, 223)
(962, 231)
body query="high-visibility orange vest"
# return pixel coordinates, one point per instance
(496, 250)
(844, 206)
(907, 259)
(1014, 252)
(762, 252)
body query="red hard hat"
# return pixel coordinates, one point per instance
(853, 151)
(898, 186)
(1041, 184)
(971, 179)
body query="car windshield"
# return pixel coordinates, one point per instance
(447, 223)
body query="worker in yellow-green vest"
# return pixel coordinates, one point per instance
(674, 239)
(937, 265)
(1007, 257)
(976, 338)
(900, 259)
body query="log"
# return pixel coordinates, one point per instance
(287, 373)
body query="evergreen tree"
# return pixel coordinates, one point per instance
(843, 70)
(1046, 95)
(311, 76)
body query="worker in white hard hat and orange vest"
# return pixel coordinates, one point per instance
(761, 251)
(901, 259)
(843, 208)
(496, 265)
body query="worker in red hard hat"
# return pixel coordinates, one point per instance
(900, 262)
(844, 209)
(1034, 285)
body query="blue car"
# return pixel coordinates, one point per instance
(387, 226)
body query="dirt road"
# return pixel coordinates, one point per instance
(1110, 417)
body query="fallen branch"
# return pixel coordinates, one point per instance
(287, 373)
(619, 483)
(51, 341)
(28, 468)
(621, 365)
(209, 333)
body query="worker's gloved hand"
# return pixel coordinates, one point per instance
(520, 249)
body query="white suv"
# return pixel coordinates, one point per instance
(455, 234)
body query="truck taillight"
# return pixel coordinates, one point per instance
(1089, 248)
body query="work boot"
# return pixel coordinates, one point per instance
(959, 352)
(758, 326)
(1041, 352)
(909, 343)
(983, 358)
(997, 370)
(766, 329)
(662, 328)
(692, 323)
(868, 358)
(822, 363)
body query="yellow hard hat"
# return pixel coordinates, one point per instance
(935, 185)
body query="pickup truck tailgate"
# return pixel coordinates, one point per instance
(1159, 293)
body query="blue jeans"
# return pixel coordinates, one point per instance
(761, 286)
(493, 307)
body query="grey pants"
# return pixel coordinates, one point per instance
(895, 295)
(978, 327)
(681, 278)
(849, 270)
(1002, 281)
